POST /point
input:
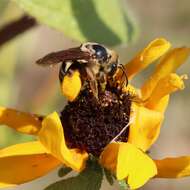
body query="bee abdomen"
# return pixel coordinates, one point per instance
(64, 69)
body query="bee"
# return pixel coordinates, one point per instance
(96, 64)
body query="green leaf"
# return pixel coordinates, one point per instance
(109, 176)
(89, 179)
(123, 185)
(3, 5)
(64, 171)
(104, 21)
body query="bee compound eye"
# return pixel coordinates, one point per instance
(100, 52)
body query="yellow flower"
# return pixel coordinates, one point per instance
(127, 160)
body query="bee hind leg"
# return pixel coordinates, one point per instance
(123, 82)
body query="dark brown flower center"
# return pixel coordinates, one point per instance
(90, 124)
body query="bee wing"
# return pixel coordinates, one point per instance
(62, 56)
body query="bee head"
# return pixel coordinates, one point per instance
(97, 51)
(100, 53)
(106, 58)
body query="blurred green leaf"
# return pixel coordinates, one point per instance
(84, 20)
(8, 56)
(109, 176)
(123, 185)
(3, 5)
(64, 171)
(89, 179)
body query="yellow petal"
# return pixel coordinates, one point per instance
(20, 121)
(52, 137)
(159, 107)
(165, 86)
(153, 51)
(145, 126)
(130, 163)
(108, 157)
(24, 162)
(169, 64)
(71, 85)
(162, 104)
(173, 167)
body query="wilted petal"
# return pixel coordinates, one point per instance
(20, 121)
(24, 162)
(173, 167)
(169, 64)
(165, 86)
(153, 51)
(52, 137)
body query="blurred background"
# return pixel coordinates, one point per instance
(28, 87)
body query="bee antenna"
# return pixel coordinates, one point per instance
(120, 66)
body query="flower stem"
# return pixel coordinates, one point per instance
(13, 29)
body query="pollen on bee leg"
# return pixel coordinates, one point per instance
(71, 85)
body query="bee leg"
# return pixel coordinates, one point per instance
(93, 82)
(102, 79)
(112, 82)
(94, 88)
(124, 81)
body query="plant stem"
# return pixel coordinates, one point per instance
(13, 29)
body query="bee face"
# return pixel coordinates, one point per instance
(96, 64)
(103, 60)
(97, 51)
